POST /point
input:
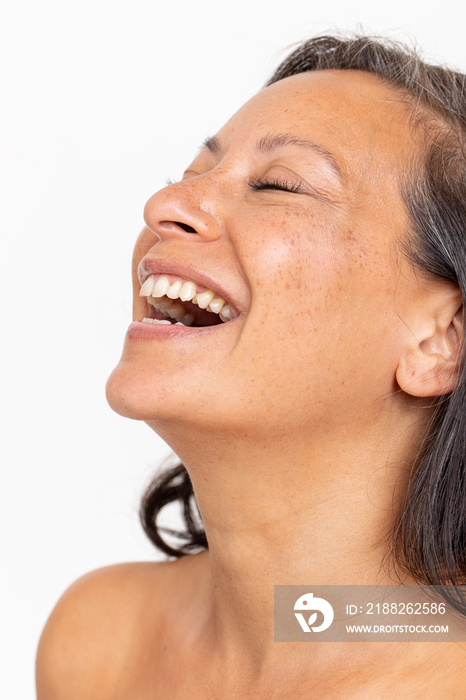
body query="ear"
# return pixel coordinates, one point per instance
(430, 361)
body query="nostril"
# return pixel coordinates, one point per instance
(175, 227)
(185, 227)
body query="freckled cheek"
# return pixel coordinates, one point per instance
(297, 269)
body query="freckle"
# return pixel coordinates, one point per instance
(287, 285)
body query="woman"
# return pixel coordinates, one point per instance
(298, 341)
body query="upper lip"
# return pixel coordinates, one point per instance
(154, 265)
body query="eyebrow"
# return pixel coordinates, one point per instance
(271, 142)
(212, 143)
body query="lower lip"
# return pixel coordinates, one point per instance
(146, 331)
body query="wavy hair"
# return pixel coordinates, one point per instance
(429, 536)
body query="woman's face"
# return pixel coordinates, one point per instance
(290, 214)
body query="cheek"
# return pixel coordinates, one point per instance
(298, 265)
(322, 304)
(294, 324)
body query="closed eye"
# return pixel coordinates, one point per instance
(274, 184)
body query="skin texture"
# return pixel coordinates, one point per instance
(297, 421)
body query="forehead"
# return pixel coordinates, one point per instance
(361, 121)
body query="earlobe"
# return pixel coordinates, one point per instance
(426, 374)
(429, 366)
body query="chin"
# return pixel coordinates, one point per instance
(119, 397)
(128, 394)
(133, 391)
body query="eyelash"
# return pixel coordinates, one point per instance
(274, 184)
(257, 184)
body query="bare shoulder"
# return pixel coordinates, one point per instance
(98, 627)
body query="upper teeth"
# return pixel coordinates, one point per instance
(155, 287)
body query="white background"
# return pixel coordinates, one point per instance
(102, 101)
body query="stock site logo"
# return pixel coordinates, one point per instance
(308, 603)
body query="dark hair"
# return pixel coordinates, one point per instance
(429, 537)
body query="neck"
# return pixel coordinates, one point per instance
(289, 512)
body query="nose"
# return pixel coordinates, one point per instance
(186, 208)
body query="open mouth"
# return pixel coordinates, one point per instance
(173, 300)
